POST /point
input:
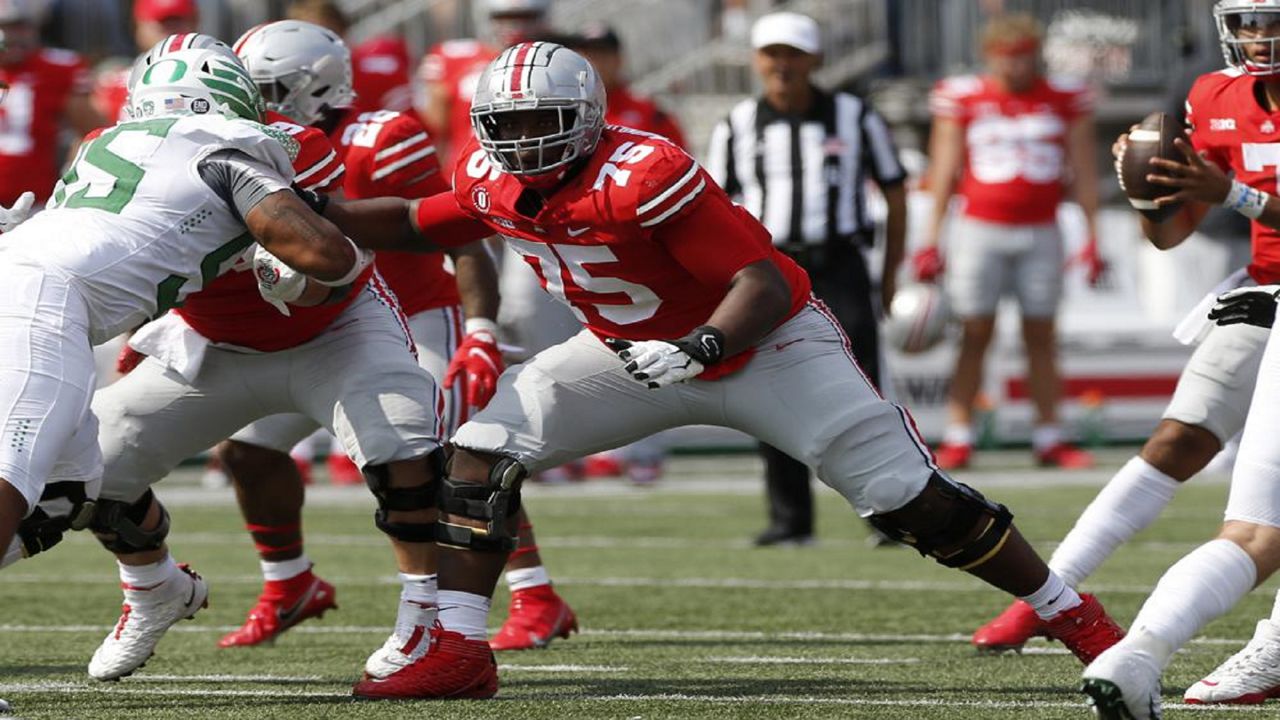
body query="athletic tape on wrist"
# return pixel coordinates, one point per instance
(1249, 202)
(364, 258)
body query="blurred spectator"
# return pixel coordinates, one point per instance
(154, 20)
(1007, 142)
(798, 158)
(602, 46)
(47, 89)
(379, 65)
(93, 28)
(450, 70)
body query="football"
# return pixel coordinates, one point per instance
(1152, 138)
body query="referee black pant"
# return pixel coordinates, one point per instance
(840, 280)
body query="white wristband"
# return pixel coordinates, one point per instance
(364, 258)
(480, 324)
(1249, 202)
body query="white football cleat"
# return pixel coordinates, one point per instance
(147, 614)
(398, 652)
(1246, 678)
(1123, 684)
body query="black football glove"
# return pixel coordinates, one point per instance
(1251, 305)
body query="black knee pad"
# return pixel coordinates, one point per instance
(117, 525)
(492, 503)
(941, 521)
(418, 497)
(43, 529)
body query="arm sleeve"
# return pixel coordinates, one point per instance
(444, 223)
(241, 180)
(714, 239)
(881, 152)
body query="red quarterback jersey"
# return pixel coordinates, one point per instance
(390, 154)
(38, 90)
(1241, 137)
(231, 311)
(1015, 145)
(633, 111)
(380, 74)
(618, 243)
(457, 65)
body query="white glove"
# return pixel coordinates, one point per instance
(11, 218)
(656, 363)
(278, 283)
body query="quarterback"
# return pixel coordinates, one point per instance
(1233, 115)
(690, 316)
(150, 211)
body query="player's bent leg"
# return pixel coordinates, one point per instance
(269, 490)
(158, 592)
(479, 499)
(538, 614)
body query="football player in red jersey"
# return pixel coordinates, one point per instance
(379, 65)
(227, 358)
(306, 69)
(48, 88)
(691, 316)
(449, 71)
(1007, 142)
(1234, 115)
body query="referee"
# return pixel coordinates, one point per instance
(798, 158)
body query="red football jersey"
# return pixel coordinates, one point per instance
(633, 111)
(38, 90)
(457, 64)
(380, 74)
(231, 311)
(1242, 137)
(1015, 145)
(390, 154)
(608, 245)
(110, 93)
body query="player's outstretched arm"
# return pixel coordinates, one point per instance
(427, 225)
(306, 242)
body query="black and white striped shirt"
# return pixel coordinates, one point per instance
(804, 176)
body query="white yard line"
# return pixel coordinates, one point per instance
(768, 660)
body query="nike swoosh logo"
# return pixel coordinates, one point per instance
(780, 346)
(192, 598)
(288, 616)
(575, 233)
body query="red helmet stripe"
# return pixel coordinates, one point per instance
(517, 69)
(245, 38)
(175, 43)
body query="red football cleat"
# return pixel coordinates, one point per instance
(1065, 456)
(282, 604)
(1010, 630)
(342, 471)
(1085, 629)
(952, 456)
(537, 616)
(454, 668)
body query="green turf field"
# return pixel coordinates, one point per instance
(681, 618)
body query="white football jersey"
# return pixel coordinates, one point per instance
(134, 227)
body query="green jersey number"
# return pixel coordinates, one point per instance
(169, 289)
(125, 175)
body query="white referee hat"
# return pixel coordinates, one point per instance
(787, 28)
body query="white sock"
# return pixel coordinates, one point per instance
(1198, 588)
(958, 435)
(465, 613)
(148, 577)
(1044, 437)
(1053, 597)
(1131, 501)
(285, 569)
(526, 578)
(417, 603)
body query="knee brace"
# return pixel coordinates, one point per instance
(492, 503)
(949, 521)
(117, 525)
(41, 530)
(405, 499)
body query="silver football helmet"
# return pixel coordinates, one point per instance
(302, 69)
(917, 319)
(176, 43)
(538, 106)
(1249, 22)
